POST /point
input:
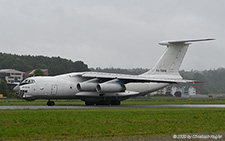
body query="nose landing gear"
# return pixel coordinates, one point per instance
(50, 103)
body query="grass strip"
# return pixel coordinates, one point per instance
(108, 123)
(151, 101)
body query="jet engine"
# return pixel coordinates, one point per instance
(110, 87)
(87, 87)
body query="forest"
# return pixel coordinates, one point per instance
(55, 65)
(214, 79)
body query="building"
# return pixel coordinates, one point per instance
(178, 91)
(29, 73)
(181, 91)
(159, 92)
(11, 76)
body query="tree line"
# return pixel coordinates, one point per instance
(55, 65)
(213, 80)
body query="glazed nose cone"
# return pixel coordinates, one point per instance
(16, 89)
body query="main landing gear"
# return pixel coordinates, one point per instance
(50, 103)
(113, 102)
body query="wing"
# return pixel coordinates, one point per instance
(132, 78)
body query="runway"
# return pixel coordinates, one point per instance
(120, 106)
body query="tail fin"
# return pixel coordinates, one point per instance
(169, 63)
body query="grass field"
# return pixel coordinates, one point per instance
(153, 101)
(108, 123)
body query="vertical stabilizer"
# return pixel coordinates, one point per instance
(169, 63)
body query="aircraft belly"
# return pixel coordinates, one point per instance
(96, 94)
(145, 87)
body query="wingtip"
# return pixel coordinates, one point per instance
(211, 39)
(197, 82)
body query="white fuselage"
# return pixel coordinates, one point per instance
(65, 87)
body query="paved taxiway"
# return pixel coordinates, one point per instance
(120, 106)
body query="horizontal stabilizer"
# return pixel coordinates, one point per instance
(183, 41)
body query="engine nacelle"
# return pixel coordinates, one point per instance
(87, 87)
(110, 87)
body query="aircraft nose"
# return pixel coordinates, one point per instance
(16, 89)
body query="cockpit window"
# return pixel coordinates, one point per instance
(27, 81)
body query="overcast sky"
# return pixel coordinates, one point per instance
(114, 33)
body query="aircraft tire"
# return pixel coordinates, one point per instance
(115, 102)
(89, 103)
(50, 103)
(103, 103)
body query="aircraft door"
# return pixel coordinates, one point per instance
(54, 89)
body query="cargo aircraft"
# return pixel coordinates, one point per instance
(109, 88)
